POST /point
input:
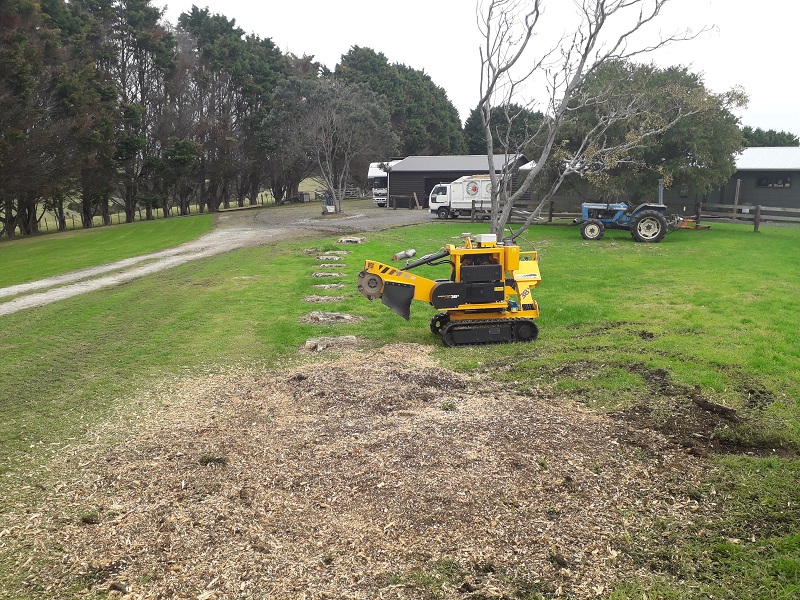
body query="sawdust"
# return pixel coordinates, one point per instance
(315, 298)
(349, 479)
(329, 318)
(329, 343)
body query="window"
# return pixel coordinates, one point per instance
(378, 182)
(774, 181)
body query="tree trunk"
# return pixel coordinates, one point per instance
(33, 222)
(87, 212)
(104, 211)
(61, 217)
(202, 199)
(254, 192)
(226, 197)
(278, 191)
(294, 188)
(130, 204)
(212, 199)
(183, 200)
(26, 217)
(8, 217)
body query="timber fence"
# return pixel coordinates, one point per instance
(756, 213)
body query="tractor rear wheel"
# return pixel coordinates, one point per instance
(648, 226)
(592, 229)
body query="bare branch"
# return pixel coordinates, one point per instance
(607, 33)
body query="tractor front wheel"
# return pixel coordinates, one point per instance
(648, 226)
(592, 229)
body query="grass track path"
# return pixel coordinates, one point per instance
(233, 230)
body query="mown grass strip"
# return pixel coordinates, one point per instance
(29, 259)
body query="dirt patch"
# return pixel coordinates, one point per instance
(371, 475)
(329, 343)
(686, 416)
(691, 427)
(314, 298)
(329, 286)
(329, 318)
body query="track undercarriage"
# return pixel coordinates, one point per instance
(472, 332)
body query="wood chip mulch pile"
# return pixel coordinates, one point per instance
(378, 475)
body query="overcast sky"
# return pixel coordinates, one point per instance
(750, 44)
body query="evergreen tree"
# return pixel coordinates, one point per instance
(423, 118)
(760, 137)
(511, 122)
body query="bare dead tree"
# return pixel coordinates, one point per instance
(342, 122)
(515, 55)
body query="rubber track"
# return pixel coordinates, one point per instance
(490, 322)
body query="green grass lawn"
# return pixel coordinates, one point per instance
(42, 256)
(622, 325)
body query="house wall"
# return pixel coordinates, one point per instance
(422, 182)
(767, 188)
(405, 183)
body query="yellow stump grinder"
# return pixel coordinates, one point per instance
(487, 299)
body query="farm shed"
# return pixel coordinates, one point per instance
(768, 176)
(419, 174)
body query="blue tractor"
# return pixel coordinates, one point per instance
(646, 222)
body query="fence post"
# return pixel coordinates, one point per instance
(757, 220)
(550, 216)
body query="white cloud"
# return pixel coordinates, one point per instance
(752, 44)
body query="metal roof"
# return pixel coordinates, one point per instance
(477, 163)
(769, 159)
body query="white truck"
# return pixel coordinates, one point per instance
(378, 181)
(462, 197)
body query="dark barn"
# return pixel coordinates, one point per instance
(419, 174)
(766, 176)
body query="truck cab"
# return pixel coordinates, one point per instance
(378, 181)
(439, 200)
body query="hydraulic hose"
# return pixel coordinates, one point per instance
(427, 259)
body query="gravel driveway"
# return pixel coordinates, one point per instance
(233, 229)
